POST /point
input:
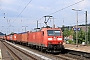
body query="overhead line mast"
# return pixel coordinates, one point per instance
(86, 33)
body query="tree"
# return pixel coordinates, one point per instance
(68, 32)
(81, 36)
(12, 33)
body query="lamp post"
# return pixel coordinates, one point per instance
(76, 27)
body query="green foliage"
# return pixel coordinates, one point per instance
(70, 41)
(12, 33)
(81, 36)
(68, 32)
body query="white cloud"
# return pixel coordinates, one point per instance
(84, 4)
(44, 8)
(8, 1)
(8, 8)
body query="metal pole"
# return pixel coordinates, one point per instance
(53, 23)
(37, 23)
(77, 31)
(76, 27)
(25, 27)
(86, 35)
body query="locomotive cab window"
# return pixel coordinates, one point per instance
(53, 32)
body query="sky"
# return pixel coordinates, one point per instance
(22, 15)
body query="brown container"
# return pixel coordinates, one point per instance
(19, 37)
(24, 37)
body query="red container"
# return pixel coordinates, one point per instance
(11, 37)
(8, 37)
(24, 37)
(14, 37)
(19, 37)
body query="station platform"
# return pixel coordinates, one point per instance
(77, 48)
(4, 54)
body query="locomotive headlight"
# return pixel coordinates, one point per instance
(60, 39)
(49, 39)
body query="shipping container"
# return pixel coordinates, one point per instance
(8, 37)
(24, 37)
(19, 37)
(11, 37)
(14, 37)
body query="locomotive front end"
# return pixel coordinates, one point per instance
(55, 40)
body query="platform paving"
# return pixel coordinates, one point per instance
(79, 48)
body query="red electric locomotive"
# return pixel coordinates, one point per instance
(47, 39)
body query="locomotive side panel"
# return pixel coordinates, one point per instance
(39, 38)
(35, 38)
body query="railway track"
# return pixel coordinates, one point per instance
(70, 57)
(41, 56)
(17, 53)
(28, 55)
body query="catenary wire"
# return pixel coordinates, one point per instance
(21, 11)
(66, 7)
(18, 7)
(63, 8)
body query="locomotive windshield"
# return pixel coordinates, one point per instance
(54, 33)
